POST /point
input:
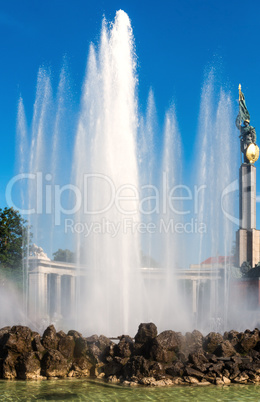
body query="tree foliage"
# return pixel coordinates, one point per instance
(13, 238)
(63, 255)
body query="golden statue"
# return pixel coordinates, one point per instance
(247, 133)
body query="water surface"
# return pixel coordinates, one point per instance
(85, 390)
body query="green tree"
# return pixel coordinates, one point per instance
(13, 239)
(63, 255)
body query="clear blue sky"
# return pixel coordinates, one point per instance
(176, 40)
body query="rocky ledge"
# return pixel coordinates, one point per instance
(169, 358)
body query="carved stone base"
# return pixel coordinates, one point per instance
(248, 246)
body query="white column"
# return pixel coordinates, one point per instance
(194, 296)
(57, 287)
(37, 295)
(72, 293)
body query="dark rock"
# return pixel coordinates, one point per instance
(248, 342)
(81, 347)
(211, 357)
(241, 378)
(160, 354)
(4, 331)
(91, 339)
(60, 335)
(246, 359)
(252, 375)
(24, 355)
(142, 349)
(225, 373)
(1, 367)
(197, 358)
(165, 346)
(18, 340)
(191, 380)
(156, 370)
(252, 366)
(3, 336)
(182, 357)
(254, 354)
(37, 345)
(225, 349)
(103, 342)
(98, 348)
(15, 342)
(113, 368)
(29, 366)
(170, 340)
(202, 367)
(176, 369)
(95, 353)
(124, 348)
(66, 346)
(232, 337)
(217, 368)
(50, 339)
(230, 365)
(211, 341)
(236, 359)
(234, 372)
(210, 377)
(189, 371)
(102, 348)
(146, 332)
(54, 364)
(136, 366)
(193, 341)
(75, 334)
(8, 366)
(82, 367)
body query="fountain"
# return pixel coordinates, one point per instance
(218, 164)
(100, 199)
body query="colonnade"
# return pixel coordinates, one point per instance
(52, 286)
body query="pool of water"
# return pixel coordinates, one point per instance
(85, 390)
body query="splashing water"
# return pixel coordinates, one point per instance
(112, 168)
(217, 168)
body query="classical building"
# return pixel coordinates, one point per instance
(52, 284)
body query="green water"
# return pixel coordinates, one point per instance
(83, 390)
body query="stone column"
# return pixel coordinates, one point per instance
(54, 295)
(57, 290)
(72, 294)
(194, 297)
(68, 295)
(37, 295)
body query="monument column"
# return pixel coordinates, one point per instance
(247, 237)
(247, 196)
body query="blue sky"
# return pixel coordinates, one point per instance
(176, 42)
